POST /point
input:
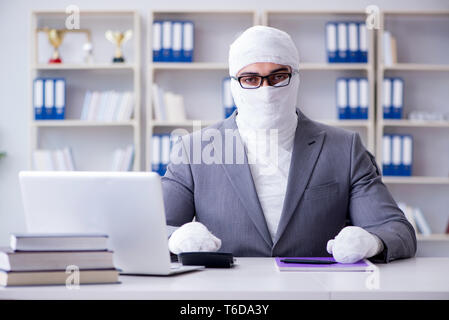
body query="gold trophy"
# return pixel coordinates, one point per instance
(56, 36)
(118, 38)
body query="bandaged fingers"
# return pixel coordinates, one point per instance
(353, 244)
(193, 236)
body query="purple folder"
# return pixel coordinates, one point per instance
(362, 265)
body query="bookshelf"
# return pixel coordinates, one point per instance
(426, 74)
(100, 74)
(307, 29)
(203, 96)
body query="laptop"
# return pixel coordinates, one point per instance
(127, 206)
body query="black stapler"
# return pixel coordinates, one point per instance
(207, 259)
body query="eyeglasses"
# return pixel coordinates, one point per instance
(278, 79)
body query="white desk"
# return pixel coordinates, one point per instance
(258, 278)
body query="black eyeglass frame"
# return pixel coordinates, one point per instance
(290, 74)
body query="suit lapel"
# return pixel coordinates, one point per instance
(241, 180)
(306, 149)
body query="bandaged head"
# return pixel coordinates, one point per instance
(266, 107)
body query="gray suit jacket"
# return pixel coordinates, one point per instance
(333, 182)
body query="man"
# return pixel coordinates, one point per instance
(320, 194)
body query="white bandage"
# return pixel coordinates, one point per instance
(353, 244)
(262, 44)
(193, 236)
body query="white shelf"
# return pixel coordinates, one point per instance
(425, 79)
(105, 66)
(433, 237)
(215, 30)
(336, 123)
(81, 123)
(416, 180)
(185, 123)
(416, 67)
(188, 66)
(346, 123)
(224, 66)
(415, 123)
(121, 76)
(334, 66)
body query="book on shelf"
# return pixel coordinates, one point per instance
(123, 159)
(393, 97)
(173, 41)
(108, 106)
(49, 98)
(408, 213)
(389, 49)
(346, 42)
(161, 148)
(11, 260)
(227, 99)
(58, 242)
(60, 277)
(168, 106)
(43, 262)
(53, 160)
(397, 154)
(416, 218)
(352, 98)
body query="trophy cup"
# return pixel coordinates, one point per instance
(118, 38)
(55, 37)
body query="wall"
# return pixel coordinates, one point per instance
(15, 59)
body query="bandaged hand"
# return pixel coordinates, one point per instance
(353, 244)
(193, 236)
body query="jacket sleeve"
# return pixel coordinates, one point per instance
(177, 188)
(373, 208)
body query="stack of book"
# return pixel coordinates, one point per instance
(53, 160)
(44, 259)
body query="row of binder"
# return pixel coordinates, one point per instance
(49, 98)
(397, 155)
(393, 96)
(227, 99)
(346, 42)
(161, 145)
(173, 41)
(352, 98)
